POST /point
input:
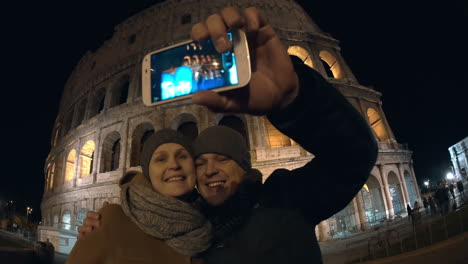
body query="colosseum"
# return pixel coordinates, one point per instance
(102, 122)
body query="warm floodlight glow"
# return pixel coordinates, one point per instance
(450, 176)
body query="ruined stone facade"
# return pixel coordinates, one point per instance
(102, 123)
(459, 155)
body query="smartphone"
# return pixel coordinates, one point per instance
(176, 72)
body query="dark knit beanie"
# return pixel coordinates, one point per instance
(157, 139)
(225, 141)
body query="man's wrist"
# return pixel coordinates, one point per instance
(291, 96)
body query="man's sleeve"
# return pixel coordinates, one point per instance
(324, 123)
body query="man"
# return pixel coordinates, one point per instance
(275, 222)
(442, 197)
(461, 189)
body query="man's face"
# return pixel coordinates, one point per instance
(218, 177)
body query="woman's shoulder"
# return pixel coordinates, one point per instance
(113, 216)
(111, 210)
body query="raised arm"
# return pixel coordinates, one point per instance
(323, 122)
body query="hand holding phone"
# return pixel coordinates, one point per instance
(273, 83)
(178, 71)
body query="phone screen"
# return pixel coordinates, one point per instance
(189, 68)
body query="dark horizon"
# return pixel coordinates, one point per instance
(413, 54)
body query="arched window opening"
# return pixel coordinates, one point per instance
(120, 92)
(377, 125)
(276, 139)
(56, 135)
(56, 221)
(80, 114)
(51, 176)
(373, 204)
(235, 123)
(411, 187)
(70, 167)
(342, 222)
(331, 65)
(110, 152)
(396, 196)
(66, 221)
(86, 159)
(189, 130)
(97, 104)
(140, 135)
(302, 54)
(124, 92)
(115, 155)
(67, 123)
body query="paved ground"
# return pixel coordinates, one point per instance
(356, 247)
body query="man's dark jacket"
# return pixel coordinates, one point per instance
(279, 225)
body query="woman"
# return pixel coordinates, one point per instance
(157, 221)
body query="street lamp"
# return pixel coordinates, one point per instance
(28, 212)
(426, 183)
(450, 176)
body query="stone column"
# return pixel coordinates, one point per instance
(416, 187)
(324, 231)
(356, 214)
(388, 197)
(362, 211)
(403, 184)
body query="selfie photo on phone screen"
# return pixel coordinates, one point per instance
(190, 68)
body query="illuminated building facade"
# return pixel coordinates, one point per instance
(102, 123)
(459, 156)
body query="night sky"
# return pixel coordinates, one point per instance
(415, 55)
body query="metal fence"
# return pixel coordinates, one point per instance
(400, 235)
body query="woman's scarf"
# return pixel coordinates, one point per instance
(179, 224)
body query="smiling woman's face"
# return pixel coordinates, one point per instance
(172, 170)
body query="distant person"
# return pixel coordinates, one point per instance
(461, 189)
(451, 189)
(425, 204)
(416, 212)
(432, 205)
(410, 212)
(442, 197)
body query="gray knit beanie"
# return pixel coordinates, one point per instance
(154, 141)
(225, 141)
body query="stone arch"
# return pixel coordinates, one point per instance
(186, 124)
(396, 195)
(97, 103)
(56, 134)
(343, 221)
(410, 185)
(372, 197)
(80, 113)
(141, 133)
(119, 94)
(377, 125)
(275, 138)
(66, 220)
(67, 122)
(50, 176)
(70, 166)
(302, 54)
(55, 220)
(331, 65)
(235, 123)
(87, 159)
(110, 153)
